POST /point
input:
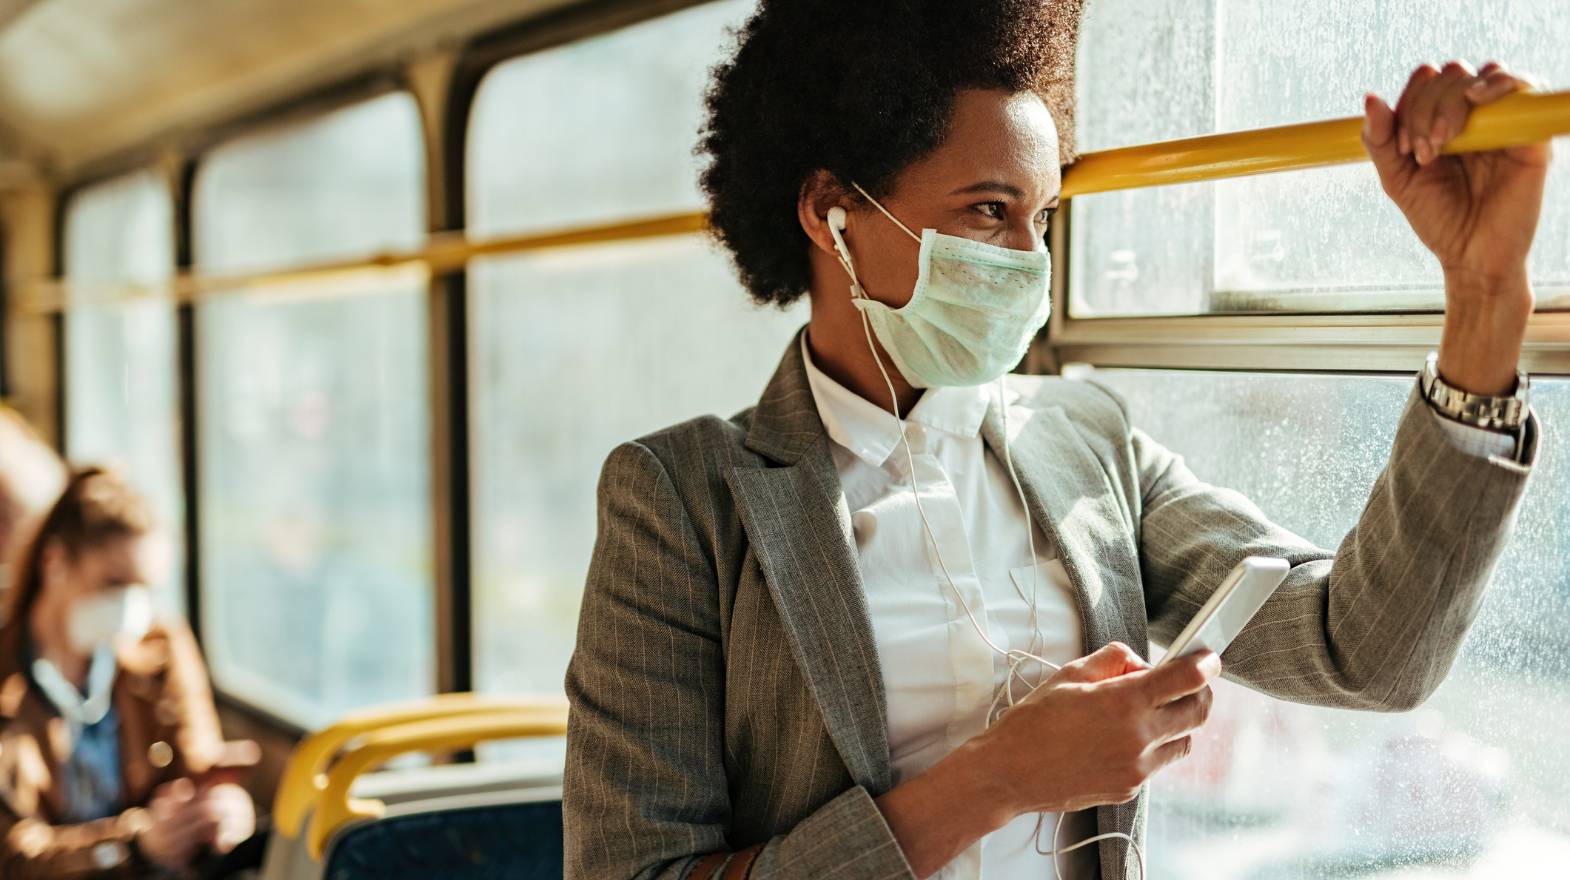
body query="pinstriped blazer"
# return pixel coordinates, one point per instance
(725, 686)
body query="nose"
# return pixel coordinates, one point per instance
(1022, 236)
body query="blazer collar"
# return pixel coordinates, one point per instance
(785, 423)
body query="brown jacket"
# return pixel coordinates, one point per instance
(168, 729)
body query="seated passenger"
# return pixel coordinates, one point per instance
(30, 479)
(111, 760)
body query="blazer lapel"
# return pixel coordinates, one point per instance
(798, 525)
(1073, 503)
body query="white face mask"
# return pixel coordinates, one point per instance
(975, 309)
(100, 620)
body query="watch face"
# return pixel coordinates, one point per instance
(108, 854)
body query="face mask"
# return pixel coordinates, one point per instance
(99, 620)
(973, 313)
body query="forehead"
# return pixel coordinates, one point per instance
(996, 135)
(139, 559)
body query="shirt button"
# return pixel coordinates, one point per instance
(863, 524)
(160, 754)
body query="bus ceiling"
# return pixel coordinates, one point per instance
(84, 80)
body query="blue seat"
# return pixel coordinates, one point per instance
(517, 841)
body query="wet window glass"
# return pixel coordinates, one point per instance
(1323, 240)
(122, 389)
(314, 420)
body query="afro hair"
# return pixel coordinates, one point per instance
(861, 90)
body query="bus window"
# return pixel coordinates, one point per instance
(575, 351)
(121, 402)
(1325, 240)
(314, 498)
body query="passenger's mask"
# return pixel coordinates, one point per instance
(975, 309)
(99, 620)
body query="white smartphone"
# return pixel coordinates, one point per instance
(1230, 607)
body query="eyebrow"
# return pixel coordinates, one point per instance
(1007, 189)
(997, 186)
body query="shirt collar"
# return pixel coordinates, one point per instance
(867, 430)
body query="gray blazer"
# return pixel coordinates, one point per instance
(726, 689)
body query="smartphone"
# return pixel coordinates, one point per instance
(1230, 607)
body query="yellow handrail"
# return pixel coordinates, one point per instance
(377, 747)
(1513, 120)
(304, 777)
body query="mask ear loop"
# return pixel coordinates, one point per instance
(879, 206)
(837, 221)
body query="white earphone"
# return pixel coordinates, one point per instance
(837, 218)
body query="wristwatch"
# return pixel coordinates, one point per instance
(1504, 414)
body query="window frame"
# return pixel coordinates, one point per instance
(1345, 342)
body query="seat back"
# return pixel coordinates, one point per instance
(518, 840)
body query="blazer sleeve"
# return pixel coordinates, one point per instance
(645, 793)
(1378, 623)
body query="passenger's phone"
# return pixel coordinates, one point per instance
(1230, 607)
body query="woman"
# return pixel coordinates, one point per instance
(111, 761)
(810, 630)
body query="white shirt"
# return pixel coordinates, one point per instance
(939, 675)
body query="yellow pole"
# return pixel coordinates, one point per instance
(1511, 121)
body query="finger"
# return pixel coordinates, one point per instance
(181, 790)
(1495, 85)
(1452, 109)
(1180, 677)
(1379, 137)
(1415, 86)
(1110, 661)
(1171, 753)
(1422, 112)
(1184, 716)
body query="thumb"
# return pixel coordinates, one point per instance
(1379, 139)
(181, 789)
(1110, 661)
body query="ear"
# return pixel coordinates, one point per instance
(820, 193)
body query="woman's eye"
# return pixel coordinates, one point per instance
(994, 210)
(1045, 216)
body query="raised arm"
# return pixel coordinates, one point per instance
(1374, 625)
